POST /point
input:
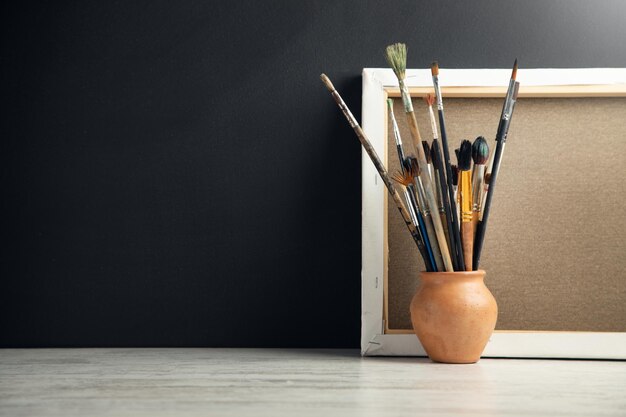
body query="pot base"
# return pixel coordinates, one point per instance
(453, 361)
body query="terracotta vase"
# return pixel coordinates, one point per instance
(453, 315)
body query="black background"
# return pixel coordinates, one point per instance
(175, 174)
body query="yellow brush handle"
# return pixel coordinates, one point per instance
(467, 240)
(467, 215)
(465, 193)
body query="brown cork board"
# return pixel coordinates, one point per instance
(555, 249)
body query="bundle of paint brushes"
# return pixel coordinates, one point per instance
(446, 207)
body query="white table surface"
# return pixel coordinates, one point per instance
(290, 382)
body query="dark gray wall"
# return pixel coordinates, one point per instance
(174, 173)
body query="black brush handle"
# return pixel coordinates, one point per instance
(503, 130)
(482, 225)
(456, 242)
(481, 229)
(445, 199)
(401, 156)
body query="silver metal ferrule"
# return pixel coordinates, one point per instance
(433, 122)
(507, 98)
(437, 92)
(406, 97)
(396, 130)
(421, 197)
(478, 179)
(508, 111)
(409, 203)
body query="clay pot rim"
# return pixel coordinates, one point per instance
(481, 271)
(478, 274)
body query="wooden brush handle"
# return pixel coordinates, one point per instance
(467, 241)
(431, 200)
(475, 216)
(380, 167)
(444, 223)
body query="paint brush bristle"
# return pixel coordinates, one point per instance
(403, 178)
(429, 99)
(396, 58)
(427, 152)
(465, 156)
(514, 73)
(480, 151)
(411, 166)
(455, 174)
(414, 167)
(434, 68)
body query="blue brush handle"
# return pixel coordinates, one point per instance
(429, 250)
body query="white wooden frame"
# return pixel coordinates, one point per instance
(464, 83)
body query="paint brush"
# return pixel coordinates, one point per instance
(434, 69)
(503, 129)
(511, 87)
(396, 57)
(430, 100)
(426, 213)
(455, 186)
(446, 216)
(480, 154)
(436, 185)
(429, 161)
(439, 193)
(455, 179)
(405, 179)
(371, 152)
(465, 196)
(396, 133)
(507, 98)
(439, 177)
